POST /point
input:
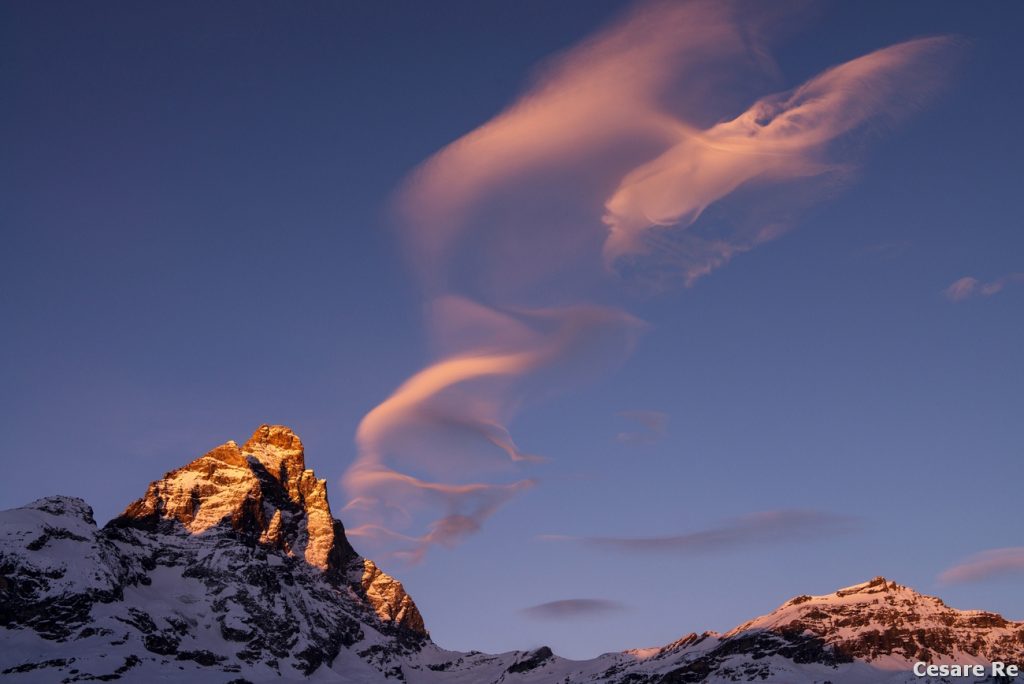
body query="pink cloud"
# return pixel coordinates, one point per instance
(446, 423)
(624, 156)
(986, 565)
(968, 287)
(610, 93)
(583, 106)
(779, 139)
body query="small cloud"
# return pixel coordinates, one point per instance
(653, 424)
(968, 287)
(756, 528)
(986, 565)
(961, 289)
(568, 609)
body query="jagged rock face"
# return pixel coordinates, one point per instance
(39, 588)
(232, 569)
(389, 599)
(262, 490)
(265, 494)
(881, 618)
(871, 631)
(174, 600)
(232, 563)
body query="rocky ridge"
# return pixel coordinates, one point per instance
(882, 619)
(237, 549)
(233, 569)
(263, 492)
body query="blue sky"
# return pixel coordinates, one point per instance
(200, 236)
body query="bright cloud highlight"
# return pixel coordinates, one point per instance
(649, 152)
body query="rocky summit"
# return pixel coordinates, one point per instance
(233, 569)
(231, 563)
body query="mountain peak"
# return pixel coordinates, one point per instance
(63, 506)
(280, 453)
(261, 491)
(883, 619)
(248, 604)
(276, 445)
(233, 565)
(876, 585)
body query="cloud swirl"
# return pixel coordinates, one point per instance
(625, 159)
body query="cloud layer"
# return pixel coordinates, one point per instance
(625, 157)
(991, 564)
(446, 422)
(757, 528)
(568, 609)
(779, 139)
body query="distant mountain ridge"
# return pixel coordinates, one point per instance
(233, 569)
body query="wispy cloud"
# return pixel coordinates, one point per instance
(610, 92)
(991, 564)
(653, 424)
(442, 419)
(779, 139)
(623, 157)
(757, 528)
(583, 107)
(568, 609)
(968, 287)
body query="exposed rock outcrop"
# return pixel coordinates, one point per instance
(232, 568)
(880, 618)
(262, 490)
(238, 547)
(264, 493)
(389, 599)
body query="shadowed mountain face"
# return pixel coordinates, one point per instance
(263, 493)
(233, 561)
(233, 569)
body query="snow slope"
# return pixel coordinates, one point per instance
(232, 569)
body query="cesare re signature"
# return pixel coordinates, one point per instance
(996, 669)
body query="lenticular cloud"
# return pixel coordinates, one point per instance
(631, 157)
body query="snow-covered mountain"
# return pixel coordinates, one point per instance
(233, 569)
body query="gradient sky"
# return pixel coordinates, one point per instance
(198, 237)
